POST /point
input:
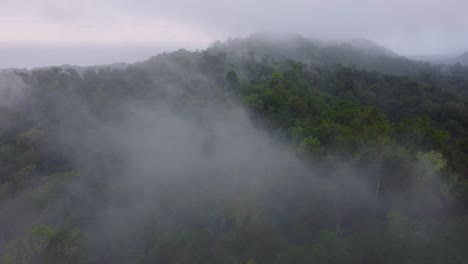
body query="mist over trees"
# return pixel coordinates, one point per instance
(255, 150)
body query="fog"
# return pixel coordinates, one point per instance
(407, 27)
(30, 56)
(175, 152)
(144, 166)
(280, 143)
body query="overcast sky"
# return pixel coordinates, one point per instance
(409, 27)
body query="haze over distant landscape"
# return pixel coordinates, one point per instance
(30, 56)
(50, 32)
(233, 132)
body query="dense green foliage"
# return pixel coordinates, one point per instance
(379, 170)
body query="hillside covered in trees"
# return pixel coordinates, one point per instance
(254, 150)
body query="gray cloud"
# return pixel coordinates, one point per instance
(430, 26)
(407, 27)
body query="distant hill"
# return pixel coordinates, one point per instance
(81, 69)
(434, 58)
(371, 48)
(360, 53)
(297, 47)
(463, 58)
(447, 58)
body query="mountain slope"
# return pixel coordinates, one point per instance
(361, 53)
(462, 59)
(235, 154)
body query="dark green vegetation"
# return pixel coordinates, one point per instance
(159, 163)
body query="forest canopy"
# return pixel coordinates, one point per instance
(254, 150)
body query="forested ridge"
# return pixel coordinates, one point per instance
(254, 150)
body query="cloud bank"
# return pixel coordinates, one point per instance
(408, 27)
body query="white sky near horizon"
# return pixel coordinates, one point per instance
(82, 29)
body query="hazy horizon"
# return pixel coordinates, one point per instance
(35, 55)
(31, 56)
(409, 28)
